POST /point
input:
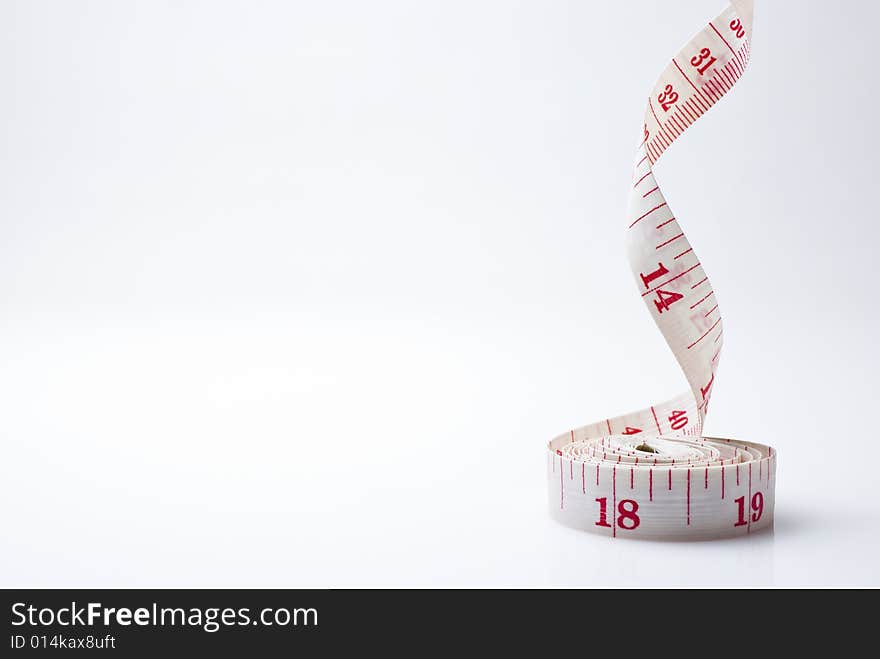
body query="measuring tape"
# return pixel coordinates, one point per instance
(651, 474)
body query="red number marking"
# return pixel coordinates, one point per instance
(737, 28)
(705, 390)
(678, 419)
(665, 298)
(651, 276)
(603, 512)
(757, 507)
(628, 514)
(627, 509)
(741, 511)
(667, 98)
(703, 60)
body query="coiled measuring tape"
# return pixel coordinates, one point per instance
(651, 474)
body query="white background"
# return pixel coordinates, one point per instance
(294, 294)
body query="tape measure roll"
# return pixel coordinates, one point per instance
(651, 474)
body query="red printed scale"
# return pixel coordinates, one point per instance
(651, 474)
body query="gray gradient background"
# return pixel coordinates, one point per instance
(295, 293)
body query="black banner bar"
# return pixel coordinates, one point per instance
(329, 622)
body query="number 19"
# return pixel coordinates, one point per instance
(757, 509)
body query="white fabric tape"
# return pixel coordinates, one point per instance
(651, 473)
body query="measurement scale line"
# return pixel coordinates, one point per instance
(642, 217)
(704, 335)
(684, 75)
(722, 39)
(647, 174)
(688, 112)
(703, 299)
(561, 487)
(659, 432)
(674, 238)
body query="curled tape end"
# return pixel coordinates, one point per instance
(745, 9)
